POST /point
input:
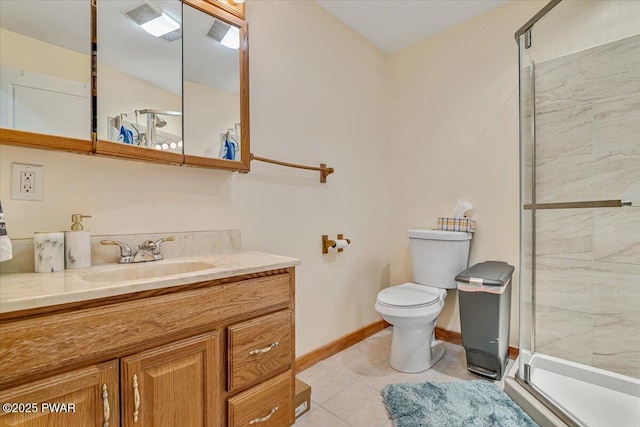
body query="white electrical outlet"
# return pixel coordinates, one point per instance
(27, 181)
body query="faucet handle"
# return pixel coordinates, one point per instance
(125, 250)
(164, 239)
(155, 246)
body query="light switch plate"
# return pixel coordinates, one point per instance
(27, 182)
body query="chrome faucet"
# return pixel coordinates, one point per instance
(149, 250)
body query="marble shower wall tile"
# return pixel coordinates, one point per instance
(564, 334)
(552, 268)
(617, 345)
(565, 233)
(616, 235)
(599, 301)
(600, 72)
(565, 131)
(561, 82)
(599, 176)
(587, 289)
(616, 123)
(595, 298)
(614, 68)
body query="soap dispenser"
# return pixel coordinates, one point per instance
(77, 244)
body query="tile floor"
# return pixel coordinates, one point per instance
(345, 388)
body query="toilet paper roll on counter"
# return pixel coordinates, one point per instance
(340, 244)
(48, 251)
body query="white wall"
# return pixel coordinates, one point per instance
(407, 133)
(454, 108)
(317, 95)
(44, 58)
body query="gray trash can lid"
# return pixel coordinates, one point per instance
(492, 273)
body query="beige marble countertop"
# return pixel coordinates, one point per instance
(21, 291)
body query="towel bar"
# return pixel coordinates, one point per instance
(323, 169)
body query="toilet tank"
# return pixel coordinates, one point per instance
(438, 256)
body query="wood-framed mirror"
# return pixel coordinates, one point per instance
(215, 87)
(45, 74)
(139, 79)
(148, 103)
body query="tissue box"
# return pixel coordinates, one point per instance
(456, 224)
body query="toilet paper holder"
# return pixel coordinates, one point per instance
(326, 243)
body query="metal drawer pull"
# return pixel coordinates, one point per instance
(264, 350)
(617, 203)
(105, 404)
(136, 399)
(265, 418)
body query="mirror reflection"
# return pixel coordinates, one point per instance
(140, 73)
(45, 67)
(211, 86)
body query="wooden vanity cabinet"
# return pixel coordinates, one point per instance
(83, 397)
(202, 355)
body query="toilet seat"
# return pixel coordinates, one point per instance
(408, 295)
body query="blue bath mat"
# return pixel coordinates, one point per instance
(453, 404)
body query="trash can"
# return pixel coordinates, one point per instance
(485, 309)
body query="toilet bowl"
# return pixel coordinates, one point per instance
(413, 308)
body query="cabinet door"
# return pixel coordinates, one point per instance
(178, 384)
(82, 398)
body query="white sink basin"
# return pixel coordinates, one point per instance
(147, 270)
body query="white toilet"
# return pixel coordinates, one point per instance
(413, 308)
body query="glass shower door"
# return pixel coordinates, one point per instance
(580, 192)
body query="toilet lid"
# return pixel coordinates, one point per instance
(408, 295)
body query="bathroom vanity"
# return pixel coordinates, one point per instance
(212, 347)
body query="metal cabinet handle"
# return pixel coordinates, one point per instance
(105, 404)
(136, 399)
(265, 418)
(264, 350)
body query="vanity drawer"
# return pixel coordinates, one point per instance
(269, 404)
(259, 348)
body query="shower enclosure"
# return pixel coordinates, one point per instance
(580, 211)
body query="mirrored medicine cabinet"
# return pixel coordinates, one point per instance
(45, 74)
(170, 79)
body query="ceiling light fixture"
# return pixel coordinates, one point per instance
(232, 38)
(155, 22)
(163, 24)
(225, 34)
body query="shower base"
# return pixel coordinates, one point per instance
(590, 396)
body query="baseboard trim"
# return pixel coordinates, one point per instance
(456, 338)
(308, 360)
